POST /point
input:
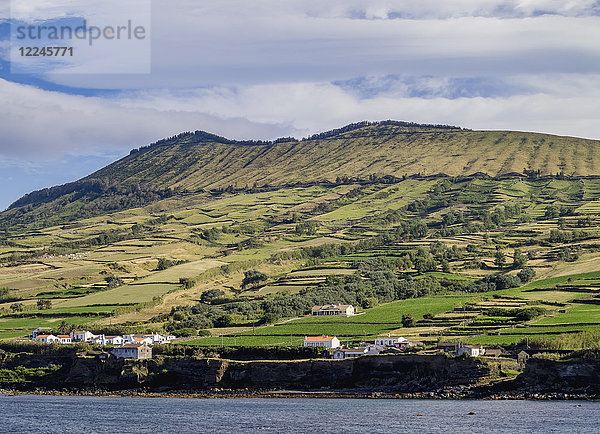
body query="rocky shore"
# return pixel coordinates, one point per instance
(406, 376)
(333, 394)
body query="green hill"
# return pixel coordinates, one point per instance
(194, 162)
(201, 234)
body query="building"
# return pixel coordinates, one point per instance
(143, 340)
(47, 339)
(321, 341)
(82, 336)
(38, 331)
(398, 342)
(132, 351)
(494, 352)
(63, 339)
(522, 358)
(87, 336)
(334, 309)
(107, 340)
(104, 356)
(113, 340)
(448, 347)
(352, 353)
(471, 350)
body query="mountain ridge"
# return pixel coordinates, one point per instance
(201, 162)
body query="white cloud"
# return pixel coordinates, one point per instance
(263, 69)
(566, 105)
(232, 43)
(41, 124)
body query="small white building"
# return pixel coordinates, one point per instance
(321, 341)
(47, 339)
(38, 331)
(471, 350)
(63, 339)
(333, 310)
(143, 340)
(352, 353)
(97, 340)
(113, 340)
(132, 351)
(398, 342)
(82, 336)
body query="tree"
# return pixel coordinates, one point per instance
(185, 332)
(519, 259)
(526, 274)
(269, 318)
(113, 281)
(306, 228)
(163, 264)
(186, 282)
(253, 278)
(65, 328)
(500, 260)
(44, 304)
(16, 307)
(211, 295)
(408, 320)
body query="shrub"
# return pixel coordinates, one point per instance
(186, 283)
(527, 274)
(211, 295)
(44, 304)
(408, 320)
(185, 332)
(253, 278)
(113, 281)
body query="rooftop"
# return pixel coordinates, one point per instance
(319, 338)
(131, 346)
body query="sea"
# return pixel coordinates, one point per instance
(89, 414)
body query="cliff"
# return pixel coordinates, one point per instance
(398, 373)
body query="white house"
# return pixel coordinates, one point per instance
(47, 339)
(351, 353)
(63, 339)
(143, 340)
(333, 309)
(39, 330)
(471, 350)
(113, 340)
(97, 340)
(132, 351)
(398, 342)
(82, 336)
(321, 341)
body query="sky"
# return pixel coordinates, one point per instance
(268, 69)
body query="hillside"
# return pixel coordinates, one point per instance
(191, 163)
(196, 162)
(142, 246)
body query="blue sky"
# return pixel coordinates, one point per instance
(266, 69)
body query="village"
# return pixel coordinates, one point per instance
(139, 346)
(124, 346)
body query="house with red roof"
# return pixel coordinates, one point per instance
(321, 341)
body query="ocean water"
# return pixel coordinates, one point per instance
(67, 414)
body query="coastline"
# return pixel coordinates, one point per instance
(307, 394)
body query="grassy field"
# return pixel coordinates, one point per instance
(261, 229)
